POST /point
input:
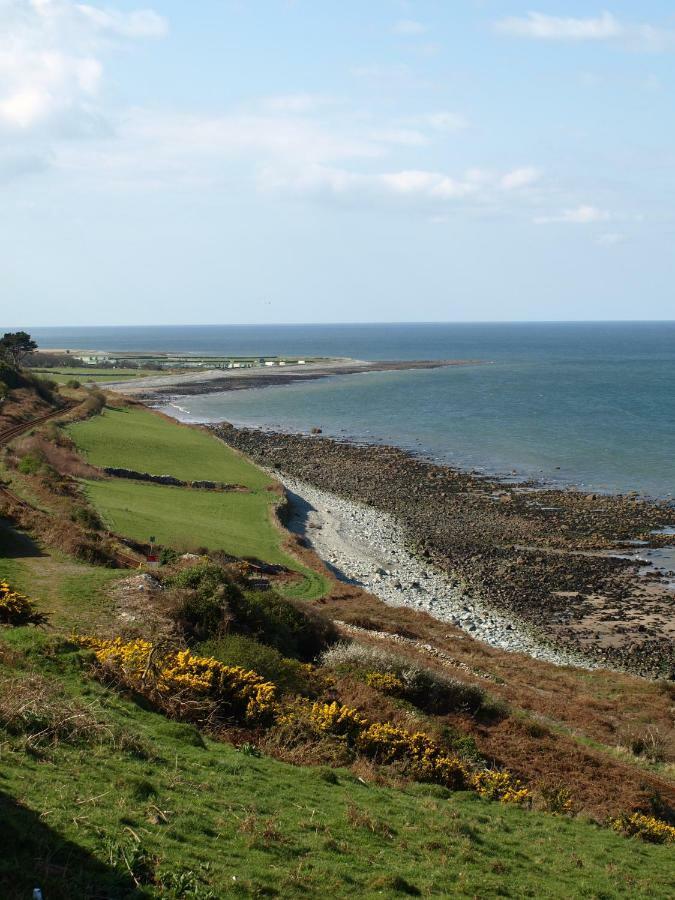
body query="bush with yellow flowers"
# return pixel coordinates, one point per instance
(646, 827)
(386, 682)
(170, 675)
(336, 719)
(16, 608)
(502, 786)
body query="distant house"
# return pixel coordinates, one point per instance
(270, 362)
(301, 362)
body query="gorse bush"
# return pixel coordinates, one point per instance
(16, 608)
(394, 675)
(178, 680)
(646, 827)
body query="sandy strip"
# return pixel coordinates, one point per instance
(367, 547)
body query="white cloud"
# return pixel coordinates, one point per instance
(519, 178)
(558, 28)
(296, 103)
(142, 23)
(51, 61)
(578, 215)
(410, 188)
(409, 27)
(604, 27)
(444, 121)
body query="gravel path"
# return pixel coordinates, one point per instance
(367, 547)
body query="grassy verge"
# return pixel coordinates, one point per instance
(157, 810)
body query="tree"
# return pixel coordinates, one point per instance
(15, 346)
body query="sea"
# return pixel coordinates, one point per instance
(590, 405)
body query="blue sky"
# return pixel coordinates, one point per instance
(320, 161)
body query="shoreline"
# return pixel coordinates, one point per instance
(167, 388)
(365, 547)
(556, 562)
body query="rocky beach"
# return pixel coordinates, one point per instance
(554, 573)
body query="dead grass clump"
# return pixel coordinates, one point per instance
(31, 707)
(647, 743)
(34, 711)
(359, 818)
(425, 688)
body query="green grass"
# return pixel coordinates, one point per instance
(71, 593)
(62, 374)
(238, 523)
(137, 439)
(194, 815)
(185, 519)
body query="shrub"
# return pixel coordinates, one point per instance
(502, 786)
(216, 600)
(646, 827)
(290, 675)
(180, 677)
(425, 688)
(386, 682)
(30, 464)
(202, 607)
(280, 623)
(16, 608)
(73, 383)
(557, 798)
(87, 517)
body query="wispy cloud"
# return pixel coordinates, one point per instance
(409, 27)
(604, 27)
(558, 28)
(578, 215)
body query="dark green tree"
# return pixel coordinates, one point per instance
(15, 346)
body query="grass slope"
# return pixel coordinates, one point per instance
(200, 819)
(137, 439)
(240, 524)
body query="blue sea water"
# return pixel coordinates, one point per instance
(590, 404)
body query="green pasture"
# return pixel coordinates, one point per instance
(62, 374)
(238, 523)
(134, 438)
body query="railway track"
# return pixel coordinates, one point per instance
(126, 562)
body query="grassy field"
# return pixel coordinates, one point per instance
(182, 816)
(239, 523)
(135, 438)
(62, 374)
(185, 519)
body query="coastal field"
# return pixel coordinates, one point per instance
(64, 374)
(239, 523)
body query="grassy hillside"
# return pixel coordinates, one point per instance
(158, 810)
(238, 523)
(135, 438)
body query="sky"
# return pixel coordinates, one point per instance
(263, 161)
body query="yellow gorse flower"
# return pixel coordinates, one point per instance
(16, 608)
(180, 673)
(647, 827)
(385, 682)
